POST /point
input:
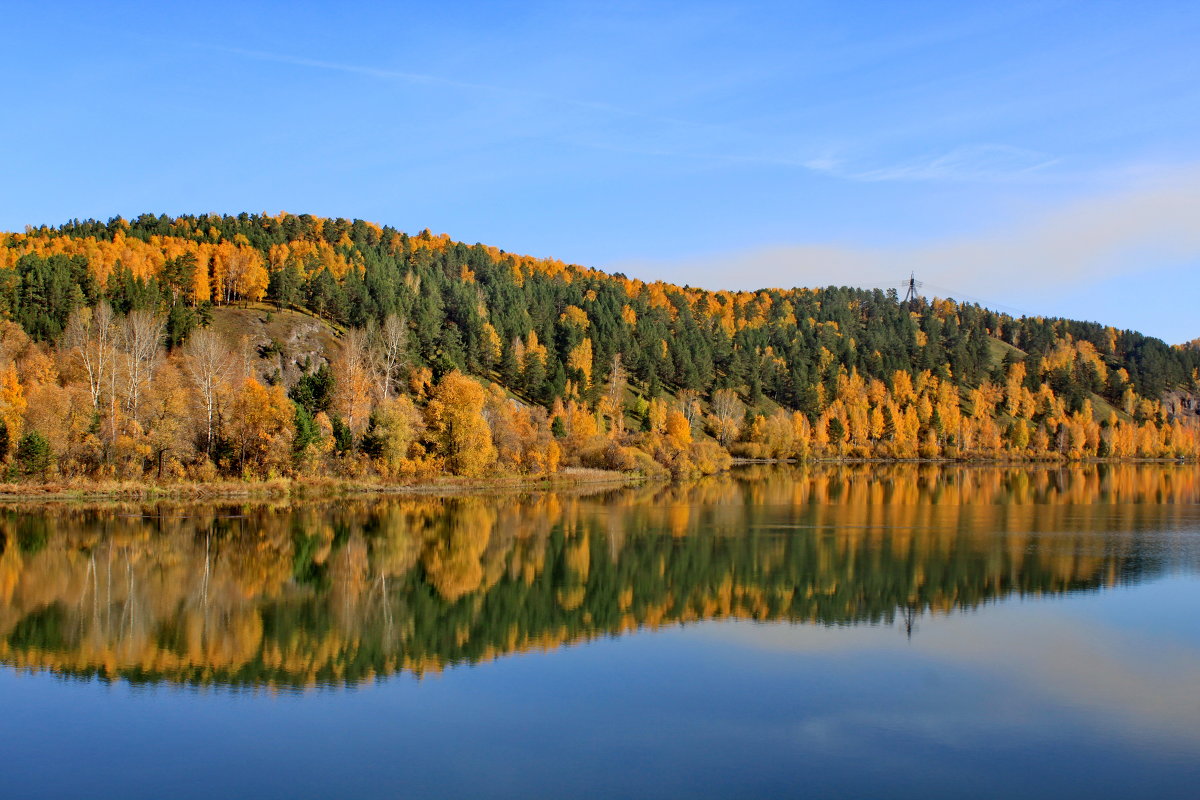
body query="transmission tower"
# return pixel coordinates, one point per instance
(912, 285)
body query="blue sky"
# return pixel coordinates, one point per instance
(1043, 157)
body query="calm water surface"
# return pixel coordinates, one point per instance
(904, 631)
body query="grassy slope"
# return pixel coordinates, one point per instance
(300, 335)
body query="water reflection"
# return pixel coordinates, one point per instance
(346, 593)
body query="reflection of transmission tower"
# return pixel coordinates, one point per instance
(910, 619)
(913, 284)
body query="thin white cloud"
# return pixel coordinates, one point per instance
(987, 162)
(355, 69)
(1084, 241)
(674, 138)
(824, 163)
(979, 162)
(421, 78)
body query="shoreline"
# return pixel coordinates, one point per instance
(288, 489)
(308, 488)
(982, 462)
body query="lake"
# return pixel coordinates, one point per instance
(831, 631)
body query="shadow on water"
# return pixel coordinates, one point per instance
(344, 593)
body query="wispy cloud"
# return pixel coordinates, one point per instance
(979, 162)
(356, 69)
(699, 141)
(1081, 242)
(428, 79)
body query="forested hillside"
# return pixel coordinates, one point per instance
(464, 359)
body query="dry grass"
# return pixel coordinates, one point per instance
(300, 488)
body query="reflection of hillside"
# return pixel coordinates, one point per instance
(269, 596)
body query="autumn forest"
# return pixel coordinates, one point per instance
(207, 348)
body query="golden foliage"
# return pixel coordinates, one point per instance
(455, 420)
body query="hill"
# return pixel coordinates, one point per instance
(370, 332)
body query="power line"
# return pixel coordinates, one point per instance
(911, 288)
(957, 295)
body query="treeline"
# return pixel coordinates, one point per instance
(467, 359)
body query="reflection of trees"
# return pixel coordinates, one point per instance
(345, 593)
(453, 559)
